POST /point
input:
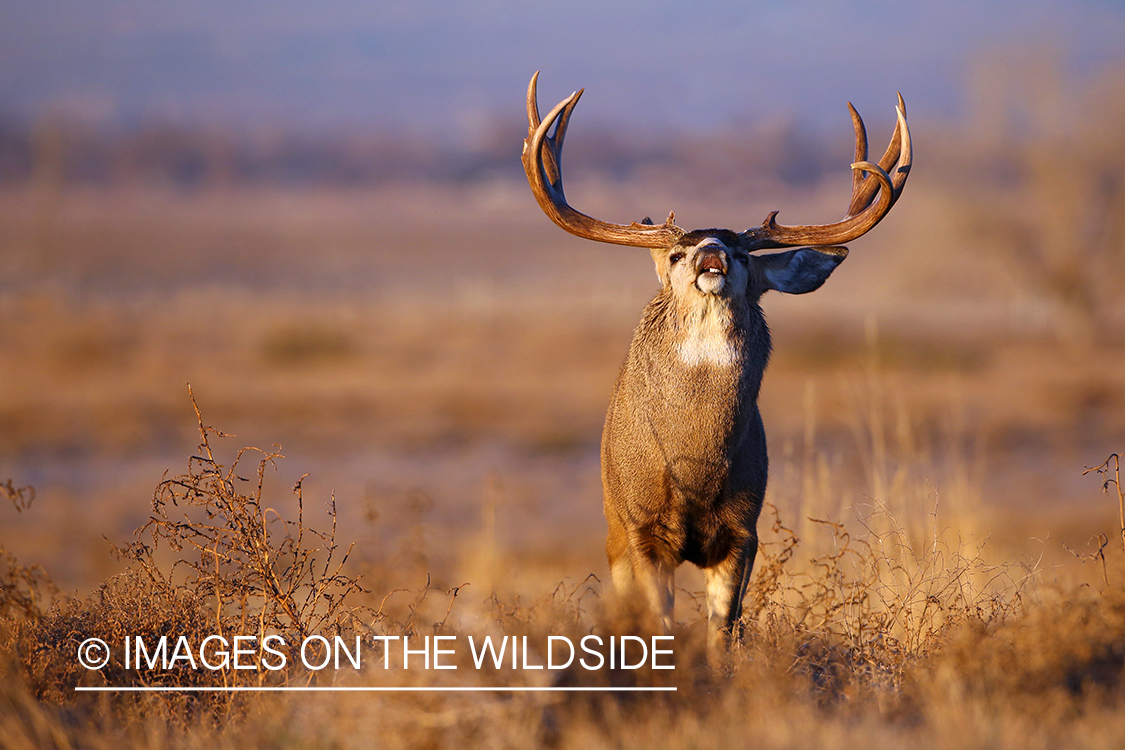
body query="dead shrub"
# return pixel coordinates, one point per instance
(128, 605)
(24, 589)
(264, 573)
(242, 569)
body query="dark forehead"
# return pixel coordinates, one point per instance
(725, 236)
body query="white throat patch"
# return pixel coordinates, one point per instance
(706, 338)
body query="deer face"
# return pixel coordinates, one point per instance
(704, 264)
(711, 264)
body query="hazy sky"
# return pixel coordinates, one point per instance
(426, 65)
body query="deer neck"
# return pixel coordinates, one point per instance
(711, 332)
(706, 334)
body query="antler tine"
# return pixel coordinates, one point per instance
(863, 188)
(906, 156)
(533, 103)
(552, 158)
(865, 210)
(860, 155)
(542, 161)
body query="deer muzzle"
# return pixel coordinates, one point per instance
(711, 265)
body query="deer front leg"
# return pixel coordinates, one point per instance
(726, 585)
(639, 573)
(655, 579)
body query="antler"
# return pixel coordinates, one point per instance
(864, 211)
(874, 190)
(542, 160)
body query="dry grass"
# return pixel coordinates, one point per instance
(874, 635)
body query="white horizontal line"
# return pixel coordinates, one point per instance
(360, 689)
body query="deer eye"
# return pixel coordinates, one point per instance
(675, 258)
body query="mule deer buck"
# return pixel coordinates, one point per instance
(684, 461)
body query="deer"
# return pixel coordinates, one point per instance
(684, 463)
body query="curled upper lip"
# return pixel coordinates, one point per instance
(711, 260)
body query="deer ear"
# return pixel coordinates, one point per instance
(660, 260)
(802, 270)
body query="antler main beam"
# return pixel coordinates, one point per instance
(542, 160)
(874, 191)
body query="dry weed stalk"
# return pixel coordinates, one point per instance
(1098, 554)
(1115, 480)
(21, 497)
(560, 610)
(416, 612)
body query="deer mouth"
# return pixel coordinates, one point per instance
(711, 271)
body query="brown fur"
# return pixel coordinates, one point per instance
(684, 462)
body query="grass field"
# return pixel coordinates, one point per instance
(436, 361)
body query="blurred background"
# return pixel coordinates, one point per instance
(316, 215)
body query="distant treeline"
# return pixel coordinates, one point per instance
(57, 151)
